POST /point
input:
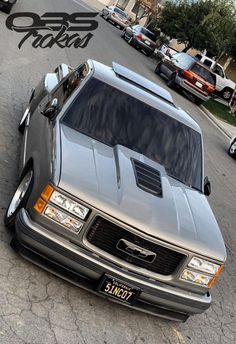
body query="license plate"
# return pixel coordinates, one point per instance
(198, 84)
(118, 290)
(147, 42)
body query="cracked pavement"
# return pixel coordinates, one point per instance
(39, 308)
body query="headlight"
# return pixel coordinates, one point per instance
(196, 277)
(44, 206)
(206, 274)
(203, 265)
(68, 204)
(64, 219)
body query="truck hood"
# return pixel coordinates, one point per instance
(104, 178)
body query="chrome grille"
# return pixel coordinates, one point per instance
(106, 236)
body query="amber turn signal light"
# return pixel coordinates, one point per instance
(40, 205)
(47, 192)
(217, 274)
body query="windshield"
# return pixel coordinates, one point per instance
(122, 13)
(148, 34)
(115, 118)
(204, 73)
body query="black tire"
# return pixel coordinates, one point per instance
(158, 69)
(233, 155)
(131, 41)
(23, 190)
(123, 34)
(21, 127)
(106, 17)
(227, 93)
(198, 101)
(102, 14)
(149, 54)
(7, 8)
(171, 81)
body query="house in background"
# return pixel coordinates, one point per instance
(131, 7)
(135, 10)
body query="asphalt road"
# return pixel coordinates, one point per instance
(37, 307)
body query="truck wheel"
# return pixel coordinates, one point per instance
(123, 34)
(7, 8)
(131, 41)
(158, 69)
(198, 101)
(232, 149)
(21, 126)
(171, 81)
(226, 94)
(19, 198)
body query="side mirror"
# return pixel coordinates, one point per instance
(49, 112)
(207, 186)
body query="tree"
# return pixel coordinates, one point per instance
(202, 24)
(232, 47)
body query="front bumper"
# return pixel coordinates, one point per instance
(118, 22)
(191, 89)
(84, 269)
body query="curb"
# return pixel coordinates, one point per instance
(213, 119)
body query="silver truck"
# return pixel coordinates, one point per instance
(112, 196)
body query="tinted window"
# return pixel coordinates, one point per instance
(203, 73)
(116, 118)
(182, 60)
(207, 63)
(149, 34)
(122, 13)
(198, 56)
(218, 70)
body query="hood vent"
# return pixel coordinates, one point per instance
(147, 178)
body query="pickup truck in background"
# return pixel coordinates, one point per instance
(224, 86)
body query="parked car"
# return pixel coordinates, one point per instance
(185, 72)
(224, 87)
(112, 195)
(6, 5)
(232, 148)
(116, 15)
(140, 37)
(167, 50)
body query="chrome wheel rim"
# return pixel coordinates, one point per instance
(226, 94)
(19, 193)
(233, 148)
